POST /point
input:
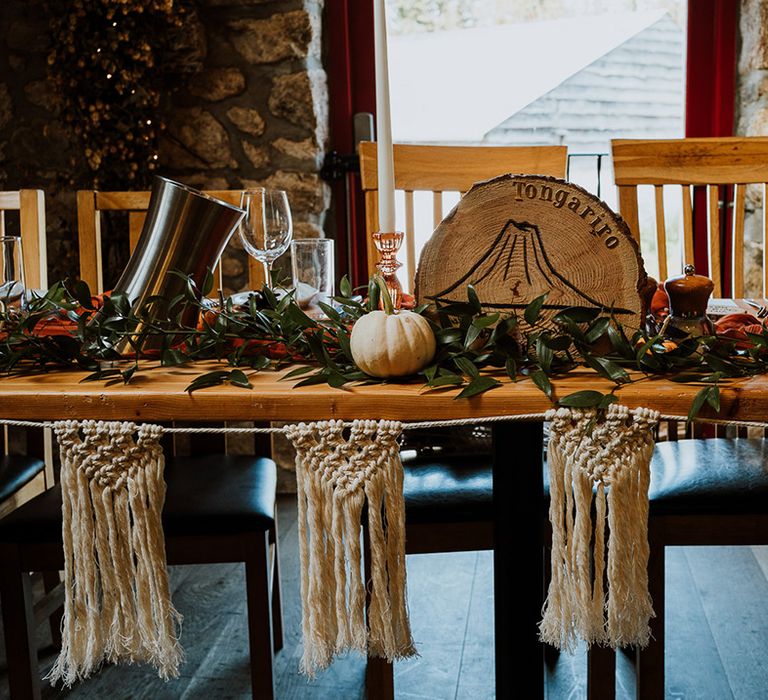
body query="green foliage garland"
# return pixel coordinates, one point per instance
(476, 350)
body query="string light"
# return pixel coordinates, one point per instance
(118, 151)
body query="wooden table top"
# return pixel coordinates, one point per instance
(158, 394)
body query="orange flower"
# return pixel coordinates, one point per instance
(736, 326)
(660, 303)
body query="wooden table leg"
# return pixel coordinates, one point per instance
(379, 673)
(518, 555)
(601, 673)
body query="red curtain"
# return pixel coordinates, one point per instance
(710, 98)
(348, 31)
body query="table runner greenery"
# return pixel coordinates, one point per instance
(68, 328)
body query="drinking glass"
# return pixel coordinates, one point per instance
(267, 228)
(312, 263)
(11, 272)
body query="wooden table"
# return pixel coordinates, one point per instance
(158, 395)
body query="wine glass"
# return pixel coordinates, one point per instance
(11, 273)
(267, 228)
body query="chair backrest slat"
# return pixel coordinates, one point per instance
(688, 222)
(410, 231)
(437, 208)
(89, 241)
(441, 169)
(661, 231)
(737, 261)
(713, 226)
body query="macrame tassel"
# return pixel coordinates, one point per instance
(603, 463)
(336, 478)
(117, 604)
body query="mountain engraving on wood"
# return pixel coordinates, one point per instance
(517, 237)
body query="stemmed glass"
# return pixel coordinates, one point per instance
(11, 273)
(267, 228)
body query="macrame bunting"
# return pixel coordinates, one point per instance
(337, 476)
(117, 604)
(605, 462)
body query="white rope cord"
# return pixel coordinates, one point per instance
(418, 425)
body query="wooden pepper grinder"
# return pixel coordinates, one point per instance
(688, 297)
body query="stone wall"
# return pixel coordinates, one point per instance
(752, 120)
(253, 111)
(258, 112)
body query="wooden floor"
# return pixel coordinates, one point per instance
(717, 643)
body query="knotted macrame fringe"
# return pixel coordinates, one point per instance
(117, 604)
(606, 461)
(336, 477)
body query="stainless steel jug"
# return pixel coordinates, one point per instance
(185, 230)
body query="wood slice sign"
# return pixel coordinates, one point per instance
(517, 237)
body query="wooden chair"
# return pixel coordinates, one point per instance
(23, 473)
(443, 169)
(703, 492)
(91, 204)
(448, 487)
(219, 508)
(718, 164)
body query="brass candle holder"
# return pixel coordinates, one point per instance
(388, 244)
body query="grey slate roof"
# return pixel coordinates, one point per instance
(634, 91)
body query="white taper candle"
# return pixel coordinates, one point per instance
(386, 168)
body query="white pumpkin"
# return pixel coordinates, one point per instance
(392, 344)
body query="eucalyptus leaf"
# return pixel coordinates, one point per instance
(238, 378)
(533, 310)
(477, 386)
(207, 285)
(82, 293)
(485, 321)
(511, 368)
(544, 355)
(336, 379)
(466, 366)
(319, 378)
(597, 329)
(215, 378)
(576, 314)
(445, 380)
(582, 399)
(698, 402)
(298, 371)
(541, 380)
(474, 301)
(260, 362)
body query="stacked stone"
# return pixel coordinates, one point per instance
(257, 114)
(752, 120)
(35, 149)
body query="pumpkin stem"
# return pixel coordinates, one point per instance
(386, 297)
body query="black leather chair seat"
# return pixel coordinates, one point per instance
(209, 495)
(716, 476)
(17, 471)
(453, 488)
